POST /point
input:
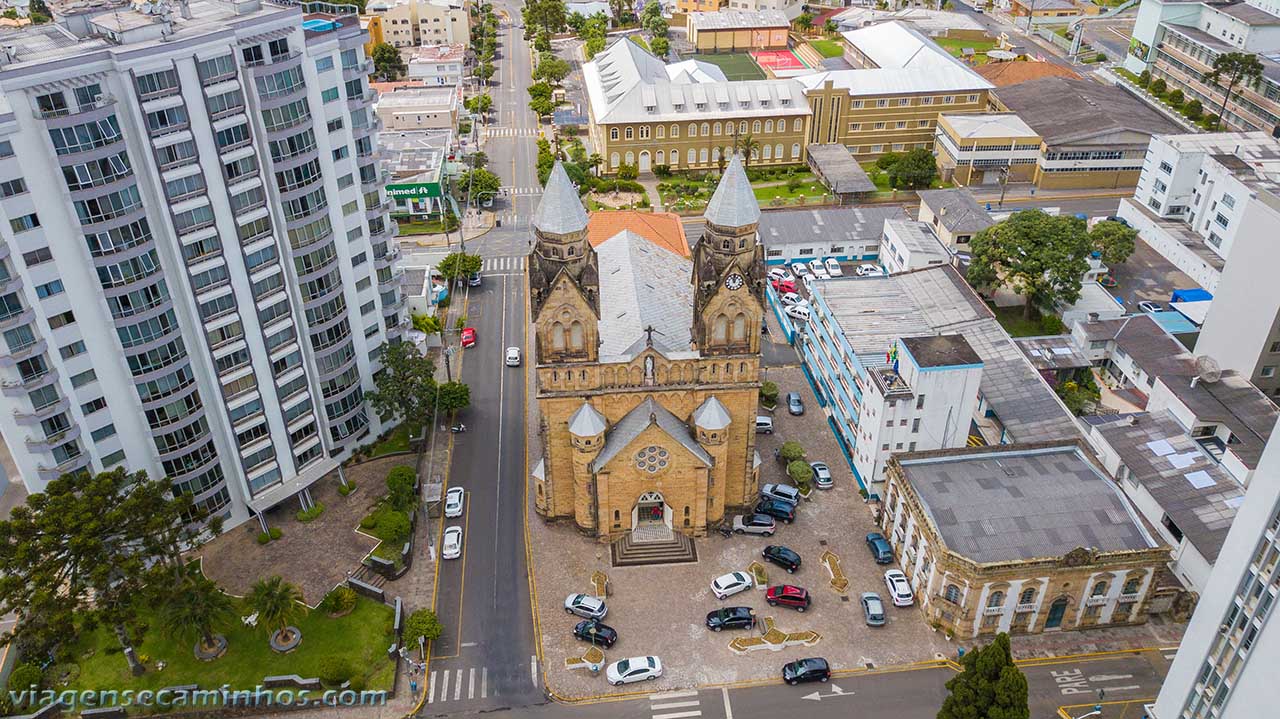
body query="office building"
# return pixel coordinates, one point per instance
(198, 267)
(419, 108)
(986, 149)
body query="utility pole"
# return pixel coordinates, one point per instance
(1004, 183)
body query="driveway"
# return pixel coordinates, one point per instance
(1146, 275)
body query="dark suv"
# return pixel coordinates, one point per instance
(880, 548)
(782, 556)
(814, 669)
(591, 630)
(777, 509)
(731, 618)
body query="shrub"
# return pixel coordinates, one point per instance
(275, 532)
(356, 683)
(644, 202)
(1145, 78)
(628, 172)
(347, 488)
(887, 160)
(1193, 109)
(1174, 98)
(24, 676)
(340, 600)
(400, 482)
(263, 537)
(334, 670)
(793, 183)
(800, 473)
(1158, 87)
(791, 452)
(369, 522)
(662, 170)
(421, 623)
(395, 527)
(307, 515)
(1052, 324)
(769, 391)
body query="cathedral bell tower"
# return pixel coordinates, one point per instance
(728, 269)
(564, 277)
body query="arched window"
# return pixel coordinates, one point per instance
(1099, 589)
(715, 154)
(631, 157)
(755, 127)
(766, 152)
(715, 129)
(1028, 596)
(727, 245)
(739, 327)
(614, 160)
(795, 151)
(575, 335)
(796, 126)
(719, 331)
(952, 594)
(613, 133)
(777, 150)
(557, 336)
(660, 158)
(742, 127)
(996, 599)
(616, 515)
(675, 158)
(572, 251)
(675, 131)
(628, 132)
(692, 156)
(1131, 586)
(661, 130)
(768, 126)
(706, 129)
(693, 130)
(702, 156)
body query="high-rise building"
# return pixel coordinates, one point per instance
(1226, 664)
(197, 269)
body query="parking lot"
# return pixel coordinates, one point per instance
(1146, 275)
(661, 610)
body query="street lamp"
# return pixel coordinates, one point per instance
(1004, 183)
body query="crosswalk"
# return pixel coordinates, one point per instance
(512, 132)
(675, 705)
(521, 190)
(458, 684)
(503, 264)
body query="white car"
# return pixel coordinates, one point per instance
(798, 312)
(585, 606)
(869, 270)
(780, 274)
(833, 267)
(635, 669)
(453, 502)
(791, 299)
(452, 547)
(899, 588)
(800, 269)
(819, 270)
(513, 356)
(731, 583)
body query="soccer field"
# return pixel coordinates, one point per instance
(736, 66)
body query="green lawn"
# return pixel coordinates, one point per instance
(736, 66)
(361, 636)
(828, 48)
(1012, 321)
(955, 47)
(418, 226)
(774, 192)
(637, 39)
(397, 441)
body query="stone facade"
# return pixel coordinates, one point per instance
(703, 145)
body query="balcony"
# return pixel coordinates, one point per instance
(27, 350)
(24, 316)
(100, 102)
(36, 416)
(1023, 608)
(394, 279)
(71, 465)
(260, 63)
(1097, 601)
(993, 611)
(388, 259)
(46, 443)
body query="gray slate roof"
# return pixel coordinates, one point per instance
(642, 285)
(956, 210)
(560, 211)
(1235, 402)
(587, 421)
(936, 300)
(998, 506)
(712, 414)
(1065, 111)
(638, 420)
(733, 204)
(1204, 513)
(1053, 352)
(842, 173)
(853, 224)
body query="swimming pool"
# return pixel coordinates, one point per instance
(320, 25)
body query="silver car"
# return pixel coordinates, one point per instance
(781, 492)
(821, 475)
(585, 606)
(754, 524)
(872, 609)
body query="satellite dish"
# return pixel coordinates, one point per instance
(1207, 369)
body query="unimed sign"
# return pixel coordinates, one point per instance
(414, 191)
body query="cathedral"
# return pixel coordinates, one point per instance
(648, 367)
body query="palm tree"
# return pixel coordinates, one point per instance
(749, 148)
(278, 604)
(595, 161)
(1238, 68)
(198, 608)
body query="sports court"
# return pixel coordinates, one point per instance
(779, 61)
(736, 65)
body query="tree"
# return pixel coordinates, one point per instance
(1038, 256)
(278, 604)
(887, 160)
(990, 687)
(422, 623)
(628, 172)
(458, 264)
(387, 62)
(478, 183)
(406, 387)
(805, 21)
(400, 481)
(198, 609)
(542, 106)
(660, 46)
(476, 160)
(749, 148)
(914, 170)
(84, 551)
(1114, 240)
(830, 26)
(1158, 87)
(540, 89)
(479, 104)
(801, 473)
(1193, 109)
(791, 452)
(1145, 78)
(551, 69)
(594, 45)
(548, 15)
(484, 71)
(1237, 68)
(429, 324)
(454, 397)
(1175, 98)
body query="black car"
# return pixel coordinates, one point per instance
(813, 669)
(777, 509)
(880, 548)
(731, 618)
(591, 630)
(782, 557)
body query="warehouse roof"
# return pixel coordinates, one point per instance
(1064, 111)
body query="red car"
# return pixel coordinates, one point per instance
(788, 596)
(784, 286)
(468, 336)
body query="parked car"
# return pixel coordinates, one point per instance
(468, 336)
(784, 285)
(777, 509)
(813, 669)
(591, 630)
(1117, 218)
(453, 500)
(754, 524)
(833, 267)
(781, 492)
(821, 475)
(585, 606)
(473, 280)
(782, 556)
(788, 595)
(800, 269)
(731, 618)
(791, 299)
(795, 405)
(452, 546)
(819, 270)
(780, 274)
(730, 584)
(880, 549)
(899, 588)
(869, 270)
(872, 609)
(635, 669)
(1150, 307)
(798, 312)
(513, 357)
(764, 425)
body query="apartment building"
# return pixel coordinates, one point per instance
(1225, 666)
(410, 23)
(198, 268)
(419, 108)
(1178, 42)
(438, 65)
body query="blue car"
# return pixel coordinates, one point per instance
(880, 548)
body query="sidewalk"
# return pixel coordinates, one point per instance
(473, 226)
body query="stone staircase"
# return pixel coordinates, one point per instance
(631, 551)
(809, 56)
(370, 577)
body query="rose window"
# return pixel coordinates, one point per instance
(652, 459)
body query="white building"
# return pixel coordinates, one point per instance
(197, 265)
(1226, 663)
(791, 8)
(419, 108)
(408, 23)
(908, 245)
(438, 65)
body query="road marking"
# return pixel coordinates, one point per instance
(673, 695)
(457, 686)
(728, 710)
(484, 682)
(1170, 657)
(471, 683)
(533, 669)
(431, 689)
(674, 705)
(678, 715)
(444, 686)
(469, 644)
(835, 692)
(1109, 677)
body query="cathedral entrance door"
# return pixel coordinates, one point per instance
(650, 518)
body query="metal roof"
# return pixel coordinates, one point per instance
(956, 210)
(560, 211)
(851, 224)
(638, 420)
(839, 169)
(712, 414)
(587, 421)
(643, 284)
(733, 204)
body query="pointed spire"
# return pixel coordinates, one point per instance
(560, 212)
(734, 203)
